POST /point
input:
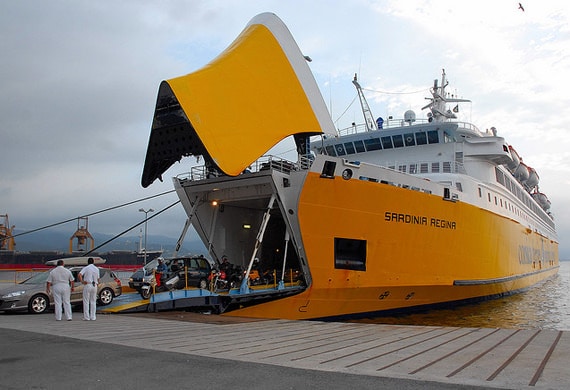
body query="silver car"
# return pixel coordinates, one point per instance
(31, 294)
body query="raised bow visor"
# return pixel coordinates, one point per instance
(259, 91)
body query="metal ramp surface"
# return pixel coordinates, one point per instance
(218, 302)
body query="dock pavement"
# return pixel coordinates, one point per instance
(280, 354)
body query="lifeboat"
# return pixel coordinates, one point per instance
(542, 200)
(532, 178)
(521, 173)
(513, 165)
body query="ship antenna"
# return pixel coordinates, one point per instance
(437, 106)
(368, 117)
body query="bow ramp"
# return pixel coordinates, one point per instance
(256, 93)
(199, 299)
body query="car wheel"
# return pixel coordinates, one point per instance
(106, 296)
(203, 284)
(38, 304)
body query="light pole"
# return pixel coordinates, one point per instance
(145, 219)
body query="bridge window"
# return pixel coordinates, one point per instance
(409, 138)
(398, 141)
(330, 150)
(349, 147)
(372, 144)
(350, 254)
(421, 138)
(359, 146)
(387, 142)
(433, 137)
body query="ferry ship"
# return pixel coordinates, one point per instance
(390, 215)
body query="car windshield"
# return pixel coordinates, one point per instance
(150, 266)
(37, 278)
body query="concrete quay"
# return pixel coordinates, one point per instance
(391, 355)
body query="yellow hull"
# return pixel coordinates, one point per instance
(450, 251)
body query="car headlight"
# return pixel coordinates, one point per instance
(14, 294)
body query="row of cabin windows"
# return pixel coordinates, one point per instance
(385, 142)
(520, 194)
(498, 201)
(433, 167)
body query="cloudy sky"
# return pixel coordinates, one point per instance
(79, 81)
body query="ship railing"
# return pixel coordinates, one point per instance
(394, 123)
(264, 163)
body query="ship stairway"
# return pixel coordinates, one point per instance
(200, 299)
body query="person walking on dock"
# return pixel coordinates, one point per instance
(60, 283)
(89, 277)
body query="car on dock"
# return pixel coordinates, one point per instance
(31, 295)
(182, 272)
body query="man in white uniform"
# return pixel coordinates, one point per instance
(89, 277)
(60, 283)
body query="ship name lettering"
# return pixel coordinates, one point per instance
(419, 220)
(442, 223)
(405, 218)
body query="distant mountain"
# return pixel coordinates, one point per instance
(59, 241)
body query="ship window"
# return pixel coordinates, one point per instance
(421, 138)
(359, 145)
(480, 193)
(372, 144)
(349, 147)
(398, 141)
(459, 157)
(330, 150)
(446, 167)
(340, 150)
(402, 168)
(424, 168)
(387, 142)
(433, 137)
(459, 186)
(350, 254)
(489, 196)
(328, 169)
(500, 176)
(409, 138)
(413, 168)
(435, 167)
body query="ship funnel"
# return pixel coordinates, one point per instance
(257, 92)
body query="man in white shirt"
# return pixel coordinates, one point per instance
(60, 283)
(89, 277)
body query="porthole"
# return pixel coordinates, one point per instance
(347, 174)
